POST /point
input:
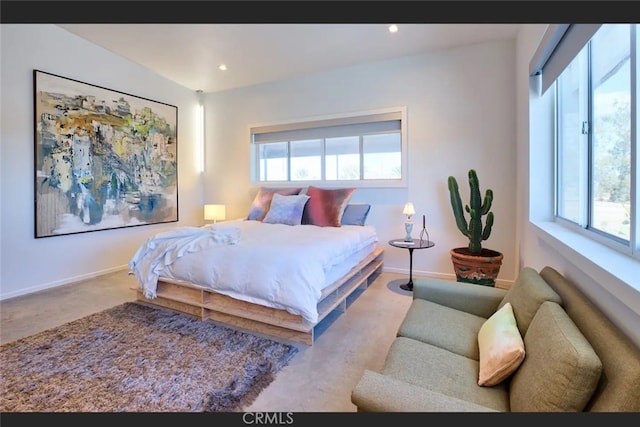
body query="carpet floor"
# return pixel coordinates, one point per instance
(134, 358)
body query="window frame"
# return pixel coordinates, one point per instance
(632, 247)
(254, 170)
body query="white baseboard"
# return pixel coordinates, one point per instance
(62, 282)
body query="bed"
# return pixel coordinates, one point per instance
(269, 278)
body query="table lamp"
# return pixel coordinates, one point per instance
(408, 210)
(214, 213)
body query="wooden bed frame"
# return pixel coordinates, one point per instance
(205, 304)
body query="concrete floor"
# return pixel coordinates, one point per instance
(318, 379)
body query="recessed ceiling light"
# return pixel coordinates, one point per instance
(222, 67)
(393, 28)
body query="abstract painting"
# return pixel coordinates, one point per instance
(103, 159)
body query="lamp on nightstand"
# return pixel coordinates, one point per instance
(214, 213)
(408, 210)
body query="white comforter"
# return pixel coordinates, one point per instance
(274, 265)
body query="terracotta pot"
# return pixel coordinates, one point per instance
(480, 269)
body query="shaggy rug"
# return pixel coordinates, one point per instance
(134, 358)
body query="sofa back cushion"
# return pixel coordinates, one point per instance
(561, 370)
(618, 390)
(528, 292)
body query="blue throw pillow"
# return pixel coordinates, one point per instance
(355, 214)
(286, 209)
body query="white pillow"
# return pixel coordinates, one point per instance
(501, 347)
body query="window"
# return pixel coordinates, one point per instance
(596, 138)
(362, 149)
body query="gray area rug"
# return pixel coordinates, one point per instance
(134, 358)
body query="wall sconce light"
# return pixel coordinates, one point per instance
(408, 210)
(214, 213)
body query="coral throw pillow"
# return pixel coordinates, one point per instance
(262, 201)
(501, 347)
(326, 206)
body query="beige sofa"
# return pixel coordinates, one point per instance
(575, 358)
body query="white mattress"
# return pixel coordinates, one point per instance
(339, 270)
(273, 265)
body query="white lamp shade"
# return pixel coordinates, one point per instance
(214, 212)
(409, 209)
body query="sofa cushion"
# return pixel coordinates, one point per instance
(375, 392)
(561, 370)
(441, 371)
(527, 293)
(444, 327)
(618, 390)
(501, 347)
(481, 301)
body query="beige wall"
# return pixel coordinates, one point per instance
(461, 115)
(30, 264)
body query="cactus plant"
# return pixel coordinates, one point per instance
(476, 209)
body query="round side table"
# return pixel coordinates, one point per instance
(413, 244)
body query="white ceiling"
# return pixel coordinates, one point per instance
(190, 54)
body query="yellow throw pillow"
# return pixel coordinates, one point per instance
(501, 347)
